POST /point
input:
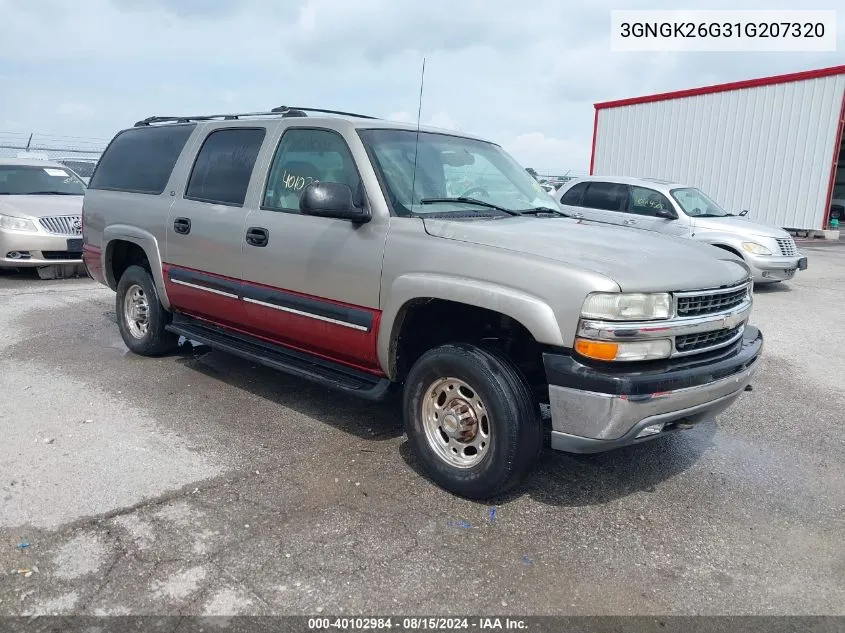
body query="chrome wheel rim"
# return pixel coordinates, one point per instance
(136, 311)
(456, 423)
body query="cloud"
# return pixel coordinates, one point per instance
(439, 119)
(523, 76)
(75, 110)
(546, 153)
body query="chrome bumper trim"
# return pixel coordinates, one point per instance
(614, 420)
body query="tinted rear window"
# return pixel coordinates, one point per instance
(141, 159)
(224, 166)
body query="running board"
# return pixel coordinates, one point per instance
(325, 372)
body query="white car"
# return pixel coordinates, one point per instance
(40, 213)
(683, 211)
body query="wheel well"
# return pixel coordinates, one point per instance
(122, 254)
(428, 323)
(730, 249)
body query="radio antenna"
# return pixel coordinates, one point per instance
(417, 142)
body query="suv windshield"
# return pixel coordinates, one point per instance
(697, 204)
(31, 180)
(451, 173)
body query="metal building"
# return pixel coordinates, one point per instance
(769, 145)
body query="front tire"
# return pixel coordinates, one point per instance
(472, 420)
(140, 315)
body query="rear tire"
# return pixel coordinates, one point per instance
(472, 420)
(140, 315)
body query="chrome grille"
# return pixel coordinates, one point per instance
(62, 224)
(700, 304)
(706, 340)
(787, 246)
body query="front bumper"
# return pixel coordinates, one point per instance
(770, 268)
(597, 409)
(38, 249)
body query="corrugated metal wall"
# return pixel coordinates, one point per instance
(767, 149)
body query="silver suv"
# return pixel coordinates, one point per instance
(684, 211)
(371, 256)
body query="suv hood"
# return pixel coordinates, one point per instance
(34, 207)
(639, 261)
(739, 226)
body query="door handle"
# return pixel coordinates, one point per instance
(629, 222)
(257, 236)
(577, 215)
(182, 225)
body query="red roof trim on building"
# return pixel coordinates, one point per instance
(593, 150)
(840, 128)
(736, 85)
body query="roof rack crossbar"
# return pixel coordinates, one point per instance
(280, 110)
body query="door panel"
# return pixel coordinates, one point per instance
(643, 203)
(315, 285)
(605, 202)
(205, 227)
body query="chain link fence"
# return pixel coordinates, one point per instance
(78, 153)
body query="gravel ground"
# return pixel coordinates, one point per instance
(202, 484)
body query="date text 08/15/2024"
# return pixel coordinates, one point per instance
(415, 624)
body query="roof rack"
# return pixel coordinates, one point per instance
(285, 111)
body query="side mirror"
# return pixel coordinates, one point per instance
(667, 214)
(744, 212)
(332, 200)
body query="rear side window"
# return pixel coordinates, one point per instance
(224, 165)
(141, 159)
(574, 195)
(605, 195)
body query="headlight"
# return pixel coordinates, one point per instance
(16, 224)
(627, 307)
(755, 248)
(629, 351)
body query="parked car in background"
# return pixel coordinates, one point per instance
(683, 211)
(82, 167)
(40, 213)
(371, 256)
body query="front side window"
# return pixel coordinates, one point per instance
(141, 159)
(224, 165)
(608, 196)
(697, 204)
(30, 180)
(430, 174)
(307, 156)
(645, 201)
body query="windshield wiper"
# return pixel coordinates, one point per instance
(463, 200)
(52, 193)
(539, 210)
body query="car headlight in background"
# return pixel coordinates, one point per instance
(627, 306)
(755, 249)
(11, 223)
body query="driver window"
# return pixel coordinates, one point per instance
(648, 202)
(305, 156)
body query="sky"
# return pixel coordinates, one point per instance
(522, 74)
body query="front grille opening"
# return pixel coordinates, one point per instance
(62, 224)
(705, 340)
(710, 303)
(787, 246)
(61, 254)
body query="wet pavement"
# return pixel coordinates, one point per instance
(202, 484)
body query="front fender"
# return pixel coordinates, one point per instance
(150, 246)
(531, 311)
